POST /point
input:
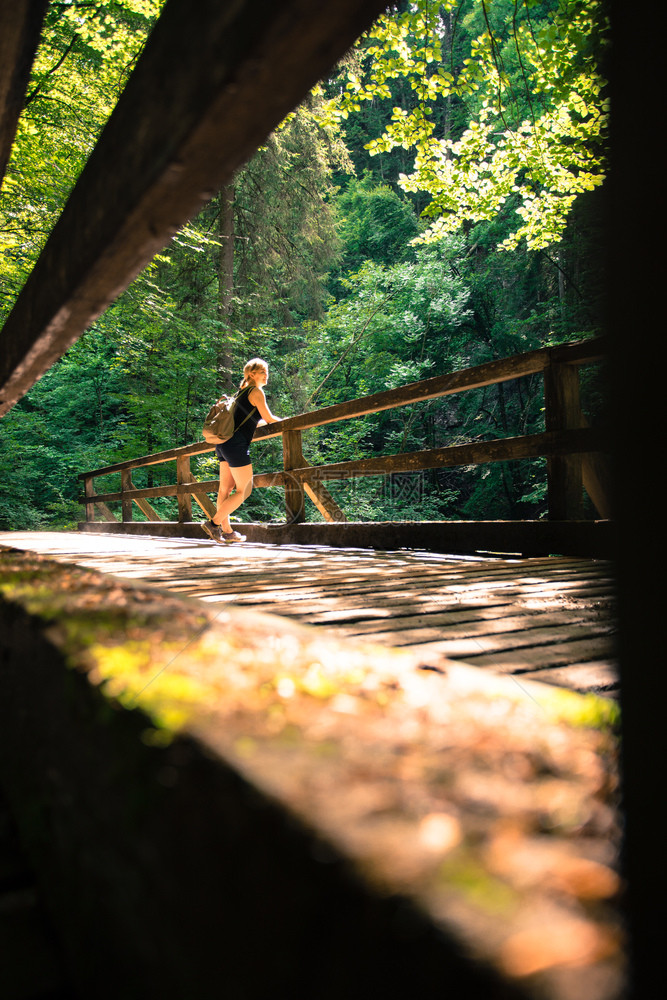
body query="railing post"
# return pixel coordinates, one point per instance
(126, 503)
(183, 476)
(562, 406)
(89, 487)
(294, 494)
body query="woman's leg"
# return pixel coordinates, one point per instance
(224, 489)
(242, 479)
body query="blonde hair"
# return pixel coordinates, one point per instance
(254, 365)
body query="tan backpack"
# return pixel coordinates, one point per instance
(219, 424)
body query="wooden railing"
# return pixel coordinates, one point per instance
(571, 447)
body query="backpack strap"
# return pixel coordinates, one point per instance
(248, 415)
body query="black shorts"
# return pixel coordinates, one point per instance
(236, 451)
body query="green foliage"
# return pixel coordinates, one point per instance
(534, 139)
(86, 54)
(67, 424)
(375, 224)
(285, 238)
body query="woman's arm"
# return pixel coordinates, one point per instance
(258, 399)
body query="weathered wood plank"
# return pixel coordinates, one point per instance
(183, 475)
(379, 581)
(156, 458)
(479, 638)
(483, 622)
(366, 615)
(89, 489)
(169, 490)
(147, 509)
(202, 500)
(254, 590)
(596, 472)
(294, 495)
(563, 442)
(519, 661)
(125, 497)
(212, 82)
(528, 538)
(562, 405)
(595, 539)
(20, 27)
(332, 612)
(594, 676)
(107, 514)
(325, 503)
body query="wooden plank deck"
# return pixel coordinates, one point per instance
(548, 619)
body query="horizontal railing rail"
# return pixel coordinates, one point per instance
(569, 445)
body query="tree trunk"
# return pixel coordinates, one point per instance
(226, 284)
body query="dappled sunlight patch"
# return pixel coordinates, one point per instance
(131, 674)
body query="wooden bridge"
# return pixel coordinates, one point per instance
(532, 616)
(574, 455)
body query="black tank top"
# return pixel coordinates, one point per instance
(243, 409)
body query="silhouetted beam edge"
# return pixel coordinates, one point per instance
(20, 26)
(212, 82)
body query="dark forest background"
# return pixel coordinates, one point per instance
(311, 258)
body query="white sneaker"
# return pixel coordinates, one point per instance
(231, 536)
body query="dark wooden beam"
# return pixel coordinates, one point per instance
(20, 27)
(581, 441)
(562, 410)
(213, 81)
(294, 494)
(590, 539)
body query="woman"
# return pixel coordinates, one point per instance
(235, 468)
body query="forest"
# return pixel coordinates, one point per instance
(437, 202)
